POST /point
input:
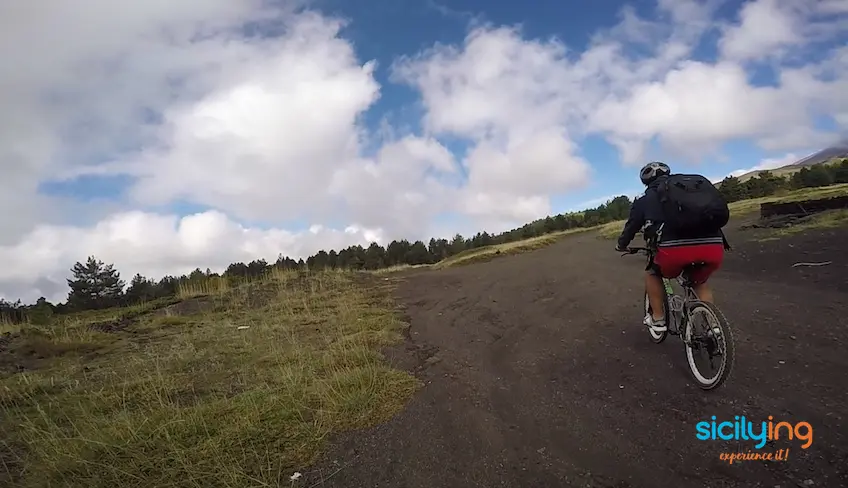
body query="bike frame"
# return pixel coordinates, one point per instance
(688, 297)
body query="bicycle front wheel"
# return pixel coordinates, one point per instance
(708, 333)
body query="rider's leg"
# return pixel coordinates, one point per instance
(666, 264)
(654, 287)
(704, 292)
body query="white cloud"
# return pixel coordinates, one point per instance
(270, 129)
(514, 183)
(78, 77)
(698, 106)
(833, 6)
(770, 29)
(410, 181)
(264, 141)
(265, 147)
(694, 107)
(93, 70)
(496, 83)
(509, 98)
(765, 28)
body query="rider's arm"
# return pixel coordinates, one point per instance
(634, 222)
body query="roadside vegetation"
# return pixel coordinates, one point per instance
(235, 388)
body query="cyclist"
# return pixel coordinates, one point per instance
(673, 249)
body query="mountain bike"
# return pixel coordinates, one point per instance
(681, 309)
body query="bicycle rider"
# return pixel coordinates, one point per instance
(672, 251)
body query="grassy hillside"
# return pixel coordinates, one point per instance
(482, 254)
(786, 171)
(221, 388)
(744, 207)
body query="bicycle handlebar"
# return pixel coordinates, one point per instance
(635, 250)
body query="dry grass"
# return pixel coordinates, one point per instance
(486, 253)
(238, 387)
(7, 327)
(611, 230)
(210, 286)
(399, 267)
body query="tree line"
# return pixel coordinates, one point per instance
(97, 285)
(767, 183)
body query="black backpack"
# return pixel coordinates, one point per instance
(692, 204)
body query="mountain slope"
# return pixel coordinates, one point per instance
(826, 155)
(823, 156)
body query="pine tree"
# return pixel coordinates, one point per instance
(140, 290)
(41, 312)
(95, 285)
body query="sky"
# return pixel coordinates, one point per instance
(165, 136)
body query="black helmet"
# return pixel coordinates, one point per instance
(652, 171)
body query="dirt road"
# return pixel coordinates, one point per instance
(538, 374)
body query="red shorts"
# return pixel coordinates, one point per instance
(672, 260)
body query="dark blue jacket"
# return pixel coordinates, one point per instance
(646, 210)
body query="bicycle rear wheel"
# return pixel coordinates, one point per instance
(713, 336)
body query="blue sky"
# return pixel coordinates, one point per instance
(169, 136)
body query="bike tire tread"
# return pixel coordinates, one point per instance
(729, 341)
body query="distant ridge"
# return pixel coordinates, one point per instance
(837, 151)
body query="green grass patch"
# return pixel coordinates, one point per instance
(233, 388)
